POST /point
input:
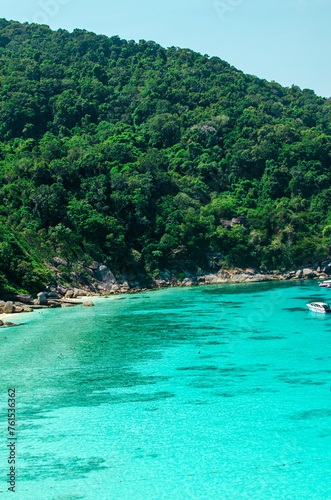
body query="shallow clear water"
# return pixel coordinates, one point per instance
(135, 411)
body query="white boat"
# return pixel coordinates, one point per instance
(325, 284)
(320, 307)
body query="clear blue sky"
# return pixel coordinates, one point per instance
(283, 40)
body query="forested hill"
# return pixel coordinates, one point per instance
(139, 156)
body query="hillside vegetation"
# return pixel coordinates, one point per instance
(136, 156)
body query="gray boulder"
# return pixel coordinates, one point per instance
(53, 303)
(326, 267)
(27, 299)
(104, 274)
(209, 278)
(62, 290)
(250, 271)
(105, 278)
(88, 303)
(308, 273)
(185, 282)
(42, 299)
(223, 274)
(8, 307)
(213, 278)
(27, 309)
(161, 283)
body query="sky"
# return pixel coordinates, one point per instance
(283, 40)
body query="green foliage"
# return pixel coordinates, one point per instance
(327, 231)
(134, 155)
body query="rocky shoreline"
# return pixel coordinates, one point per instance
(102, 282)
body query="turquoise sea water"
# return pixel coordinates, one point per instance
(117, 402)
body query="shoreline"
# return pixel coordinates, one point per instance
(13, 317)
(77, 297)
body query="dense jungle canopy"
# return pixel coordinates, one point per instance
(139, 156)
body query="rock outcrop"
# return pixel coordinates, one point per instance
(27, 299)
(42, 299)
(62, 290)
(105, 278)
(59, 262)
(103, 282)
(326, 267)
(103, 273)
(8, 307)
(308, 273)
(88, 303)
